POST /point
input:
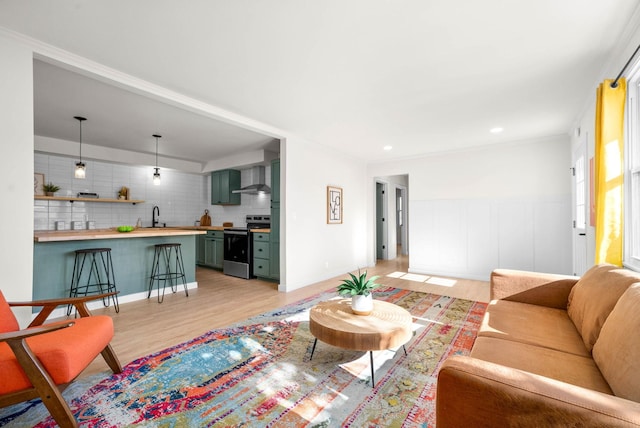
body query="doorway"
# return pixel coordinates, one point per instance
(392, 237)
(401, 221)
(381, 221)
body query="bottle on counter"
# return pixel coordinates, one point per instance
(139, 222)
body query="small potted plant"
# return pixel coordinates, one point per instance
(50, 188)
(123, 193)
(360, 289)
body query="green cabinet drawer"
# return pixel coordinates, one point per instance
(259, 236)
(261, 267)
(261, 249)
(218, 234)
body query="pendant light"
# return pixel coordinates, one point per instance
(80, 166)
(156, 174)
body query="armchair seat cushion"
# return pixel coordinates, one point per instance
(526, 323)
(64, 353)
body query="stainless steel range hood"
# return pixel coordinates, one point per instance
(257, 186)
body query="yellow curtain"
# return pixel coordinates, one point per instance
(609, 157)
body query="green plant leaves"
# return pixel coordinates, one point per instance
(358, 285)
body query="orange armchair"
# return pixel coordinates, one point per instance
(42, 359)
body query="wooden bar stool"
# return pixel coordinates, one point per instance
(172, 269)
(99, 274)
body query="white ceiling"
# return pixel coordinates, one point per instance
(420, 75)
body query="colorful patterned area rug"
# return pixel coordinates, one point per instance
(258, 373)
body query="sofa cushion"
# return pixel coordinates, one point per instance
(522, 322)
(594, 296)
(617, 351)
(570, 368)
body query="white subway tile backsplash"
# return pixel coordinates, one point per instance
(181, 197)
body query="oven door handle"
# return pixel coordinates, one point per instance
(233, 232)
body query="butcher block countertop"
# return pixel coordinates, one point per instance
(89, 234)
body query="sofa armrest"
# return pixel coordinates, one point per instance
(472, 392)
(543, 289)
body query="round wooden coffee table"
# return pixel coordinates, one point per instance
(333, 322)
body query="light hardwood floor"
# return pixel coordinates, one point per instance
(146, 326)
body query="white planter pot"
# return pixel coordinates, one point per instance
(362, 305)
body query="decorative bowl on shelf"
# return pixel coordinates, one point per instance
(125, 228)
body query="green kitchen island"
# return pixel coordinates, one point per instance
(131, 252)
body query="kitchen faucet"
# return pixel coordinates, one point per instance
(156, 211)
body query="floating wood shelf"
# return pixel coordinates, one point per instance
(72, 199)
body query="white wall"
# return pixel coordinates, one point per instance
(503, 206)
(315, 250)
(16, 173)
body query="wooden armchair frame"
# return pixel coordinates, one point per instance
(43, 385)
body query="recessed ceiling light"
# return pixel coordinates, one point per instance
(496, 130)
(387, 148)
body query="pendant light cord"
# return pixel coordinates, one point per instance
(157, 136)
(80, 141)
(80, 119)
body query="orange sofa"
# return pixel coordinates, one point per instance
(552, 350)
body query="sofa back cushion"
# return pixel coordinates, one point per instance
(593, 297)
(617, 351)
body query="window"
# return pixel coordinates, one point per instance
(632, 176)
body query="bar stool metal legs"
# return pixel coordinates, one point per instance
(100, 275)
(167, 267)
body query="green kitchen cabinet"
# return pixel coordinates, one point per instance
(210, 249)
(223, 183)
(274, 242)
(261, 255)
(275, 180)
(200, 249)
(274, 238)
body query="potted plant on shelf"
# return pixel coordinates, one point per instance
(360, 289)
(123, 193)
(50, 188)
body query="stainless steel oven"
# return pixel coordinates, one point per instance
(237, 253)
(238, 247)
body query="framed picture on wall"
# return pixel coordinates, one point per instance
(334, 205)
(38, 181)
